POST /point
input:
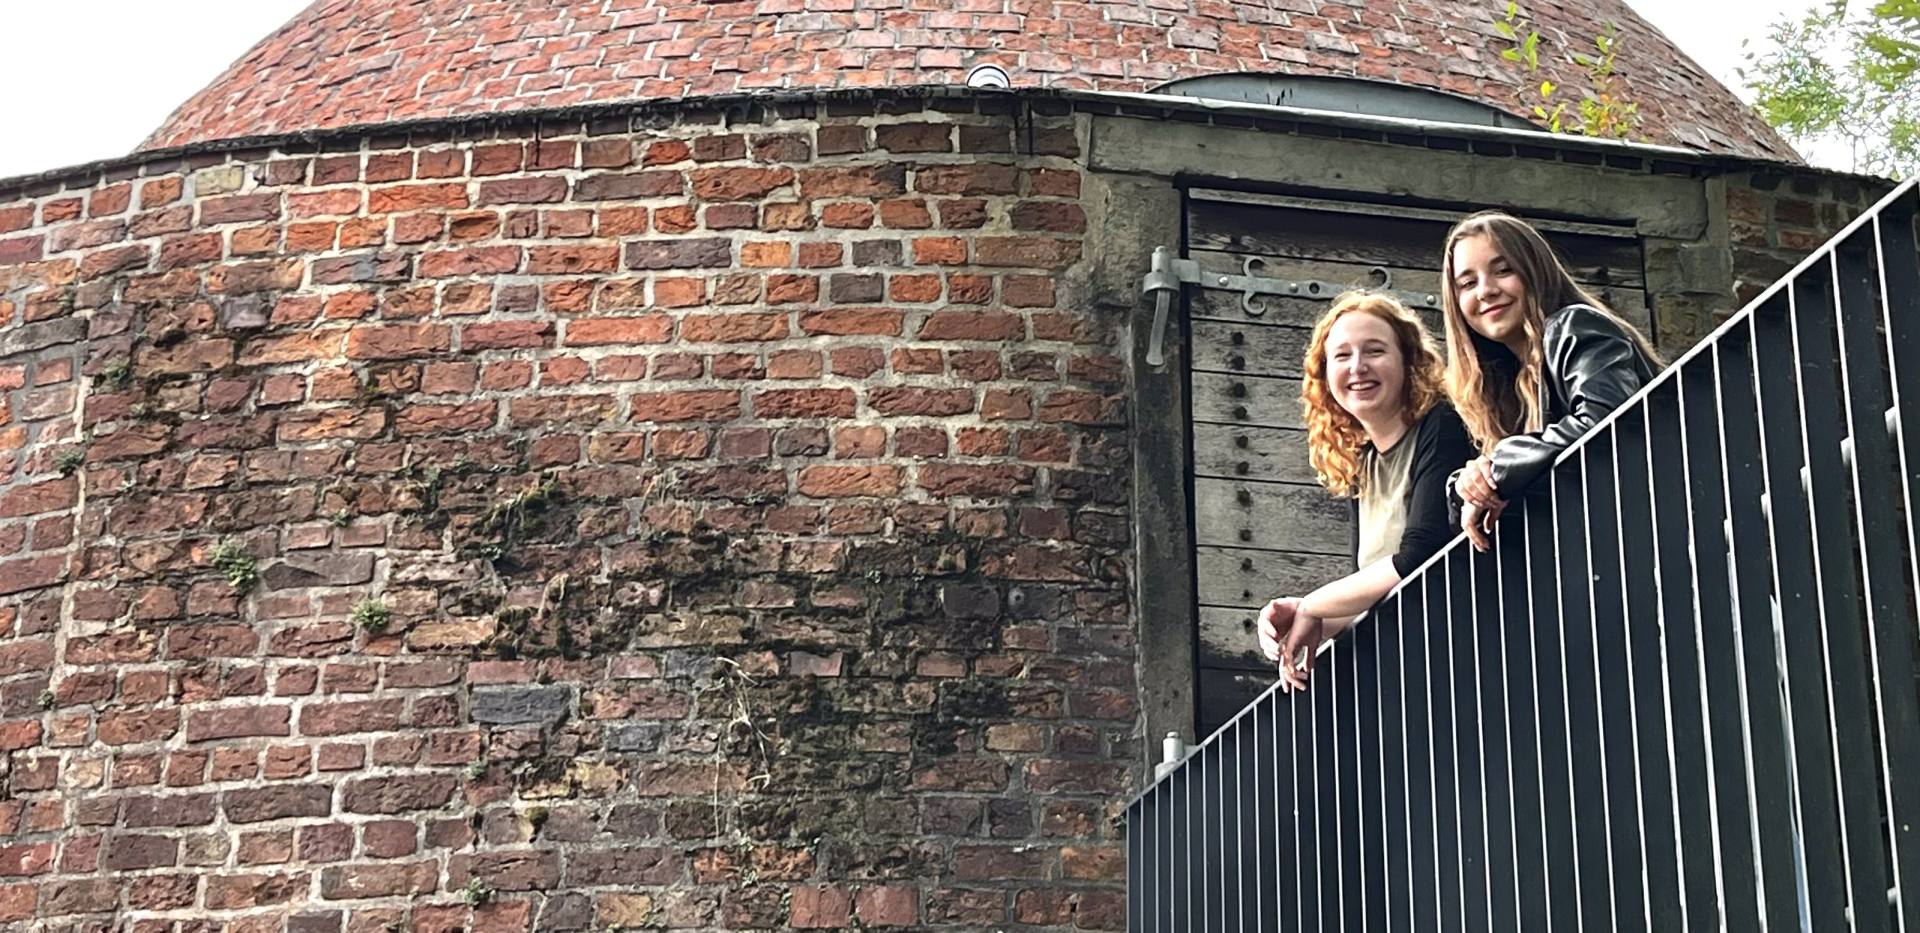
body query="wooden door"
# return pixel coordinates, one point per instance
(1263, 526)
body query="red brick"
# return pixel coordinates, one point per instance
(572, 260)
(1028, 251)
(606, 153)
(545, 189)
(981, 481)
(679, 254)
(1050, 216)
(885, 179)
(847, 215)
(625, 186)
(739, 184)
(25, 860)
(887, 906)
(22, 249)
(819, 907)
(482, 260)
(398, 793)
(205, 725)
(852, 321)
(328, 203)
(39, 498)
(156, 192)
(398, 341)
(129, 727)
(645, 329)
(347, 717)
(974, 178)
(804, 403)
(733, 328)
(697, 405)
(914, 137)
(394, 199)
(416, 420)
(900, 400)
(972, 325)
(839, 481)
(238, 208)
(502, 335)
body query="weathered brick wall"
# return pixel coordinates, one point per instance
(677, 524)
(1775, 218)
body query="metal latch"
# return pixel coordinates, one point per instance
(1167, 274)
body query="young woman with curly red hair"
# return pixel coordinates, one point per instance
(1381, 434)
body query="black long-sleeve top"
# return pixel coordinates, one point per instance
(1441, 446)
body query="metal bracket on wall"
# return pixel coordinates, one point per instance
(1167, 274)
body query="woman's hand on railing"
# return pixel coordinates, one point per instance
(1276, 621)
(1478, 522)
(1475, 484)
(1292, 638)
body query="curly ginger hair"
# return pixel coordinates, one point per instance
(1334, 436)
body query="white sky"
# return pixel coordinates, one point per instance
(89, 79)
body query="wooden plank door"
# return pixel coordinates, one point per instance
(1263, 526)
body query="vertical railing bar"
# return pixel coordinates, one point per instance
(1661, 580)
(1506, 680)
(1899, 378)
(1227, 813)
(1633, 711)
(1480, 733)
(1599, 678)
(1638, 874)
(1893, 653)
(1815, 725)
(1560, 621)
(1496, 738)
(1332, 673)
(1300, 857)
(1533, 673)
(1359, 829)
(1593, 868)
(1251, 844)
(1320, 826)
(1406, 767)
(1763, 726)
(1386, 824)
(1722, 883)
(1908, 469)
(1429, 689)
(1450, 738)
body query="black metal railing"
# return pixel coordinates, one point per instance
(1678, 694)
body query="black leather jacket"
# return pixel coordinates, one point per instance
(1593, 367)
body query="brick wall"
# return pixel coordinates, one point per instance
(703, 525)
(1775, 219)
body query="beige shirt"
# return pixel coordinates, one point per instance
(1384, 480)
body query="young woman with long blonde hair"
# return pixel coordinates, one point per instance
(1534, 361)
(1381, 434)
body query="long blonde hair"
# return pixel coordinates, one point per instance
(1334, 436)
(1497, 393)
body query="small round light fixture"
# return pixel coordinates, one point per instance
(988, 76)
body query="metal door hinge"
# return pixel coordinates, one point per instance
(1167, 274)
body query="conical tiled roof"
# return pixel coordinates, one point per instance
(345, 62)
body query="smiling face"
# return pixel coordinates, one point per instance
(1488, 290)
(1366, 368)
